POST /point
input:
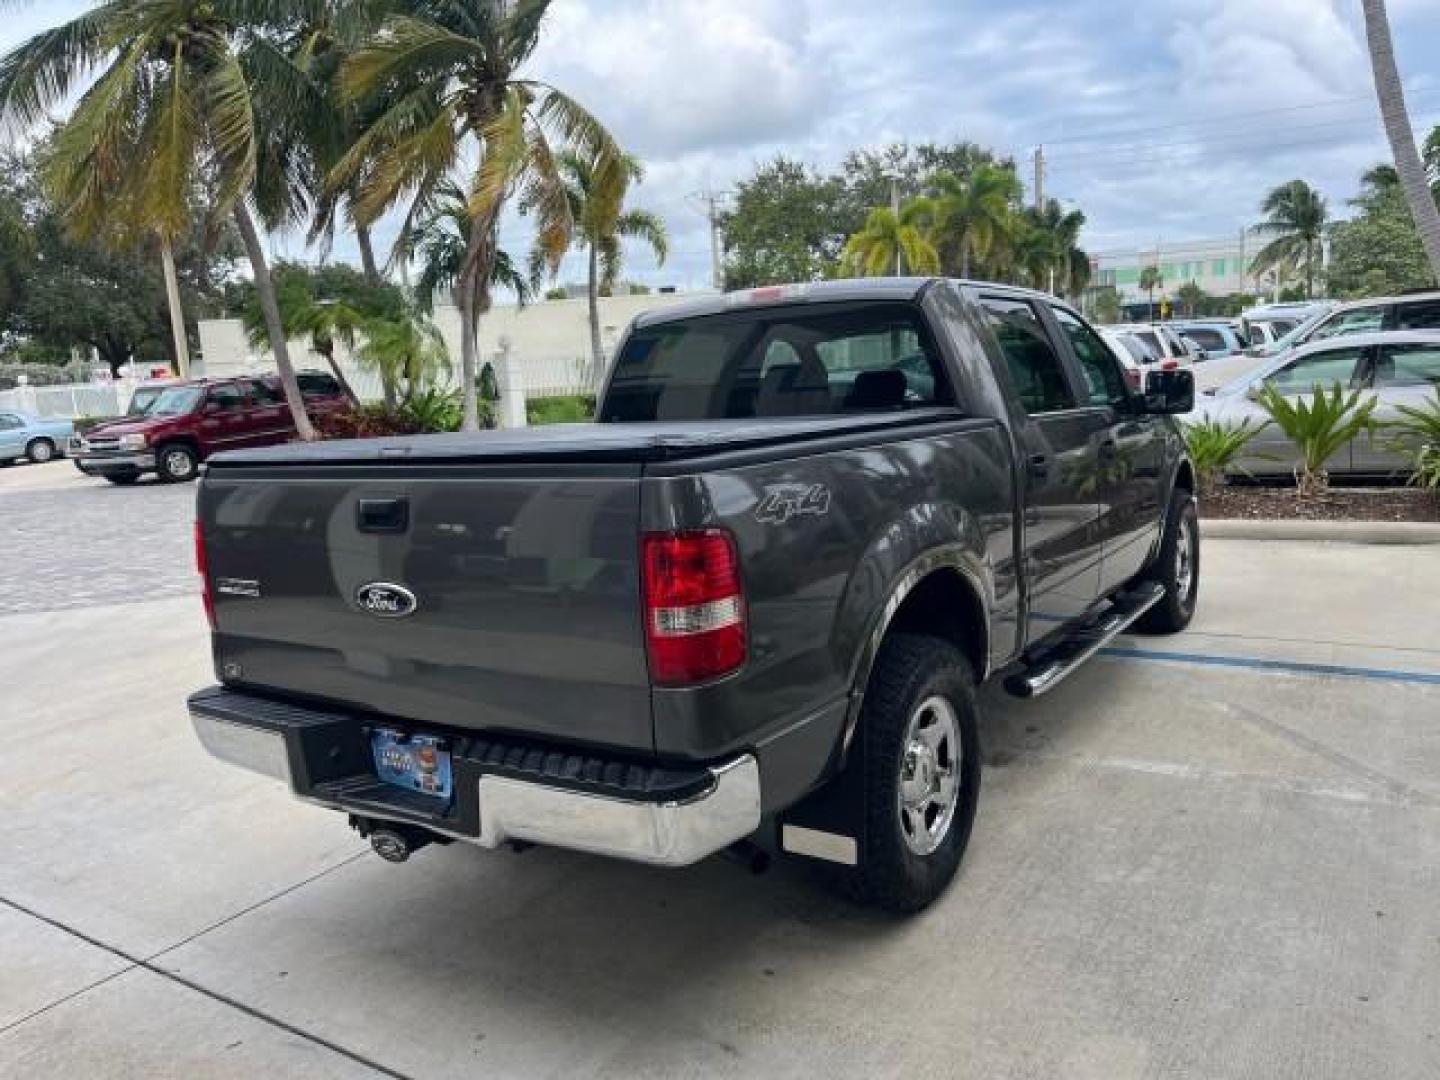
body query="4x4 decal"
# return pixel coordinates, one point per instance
(785, 501)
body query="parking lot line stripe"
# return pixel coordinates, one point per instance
(1295, 667)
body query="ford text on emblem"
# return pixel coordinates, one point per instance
(386, 600)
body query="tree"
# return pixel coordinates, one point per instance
(787, 224)
(174, 103)
(1106, 305)
(439, 240)
(974, 212)
(597, 205)
(468, 104)
(407, 352)
(327, 305)
(890, 239)
(1296, 215)
(1192, 298)
(1151, 279)
(1396, 118)
(1377, 252)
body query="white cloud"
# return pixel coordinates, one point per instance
(670, 77)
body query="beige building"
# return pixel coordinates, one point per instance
(550, 340)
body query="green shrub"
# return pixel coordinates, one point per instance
(433, 410)
(574, 409)
(1320, 427)
(1214, 446)
(1417, 436)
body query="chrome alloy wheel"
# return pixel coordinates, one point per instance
(929, 790)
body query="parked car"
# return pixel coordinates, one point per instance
(1415, 311)
(760, 591)
(32, 438)
(1217, 339)
(1160, 340)
(1134, 356)
(1397, 368)
(189, 421)
(1264, 325)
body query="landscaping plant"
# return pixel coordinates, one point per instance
(1417, 434)
(1214, 446)
(1320, 426)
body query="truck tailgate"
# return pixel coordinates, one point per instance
(524, 579)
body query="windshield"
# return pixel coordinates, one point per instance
(143, 399)
(772, 362)
(176, 401)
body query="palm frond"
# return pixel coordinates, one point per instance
(42, 73)
(405, 46)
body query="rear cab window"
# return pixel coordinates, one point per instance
(815, 360)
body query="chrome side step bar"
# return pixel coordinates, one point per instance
(1054, 666)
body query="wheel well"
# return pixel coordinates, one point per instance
(945, 605)
(41, 438)
(178, 440)
(1185, 477)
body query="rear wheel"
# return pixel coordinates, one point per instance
(922, 772)
(177, 463)
(40, 451)
(1177, 569)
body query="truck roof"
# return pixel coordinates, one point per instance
(836, 291)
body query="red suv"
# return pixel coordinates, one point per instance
(189, 421)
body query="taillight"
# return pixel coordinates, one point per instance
(202, 564)
(694, 606)
(1169, 365)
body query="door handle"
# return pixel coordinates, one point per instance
(382, 515)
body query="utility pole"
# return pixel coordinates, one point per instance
(711, 200)
(1039, 178)
(895, 209)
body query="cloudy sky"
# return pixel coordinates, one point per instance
(1164, 120)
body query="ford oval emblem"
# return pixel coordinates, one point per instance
(386, 600)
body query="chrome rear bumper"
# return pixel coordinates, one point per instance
(673, 833)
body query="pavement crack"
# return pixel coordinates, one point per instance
(251, 1011)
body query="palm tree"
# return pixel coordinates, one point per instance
(462, 101)
(601, 223)
(1396, 119)
(1032, 254)
(303, 314)
(1151, 279)
(974, 212)
(1062, 229)
(890, 240)
(1297, 215)
(438, 241)
(407, 352)
(174, 105)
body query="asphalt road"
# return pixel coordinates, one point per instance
(1216, 855)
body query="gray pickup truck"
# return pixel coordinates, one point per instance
(747, 610)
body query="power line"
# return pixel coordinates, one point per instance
(1219, 119)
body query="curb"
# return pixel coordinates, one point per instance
(1333, 532)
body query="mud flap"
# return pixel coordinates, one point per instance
(829, 823)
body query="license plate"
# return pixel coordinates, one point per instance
(414, 762)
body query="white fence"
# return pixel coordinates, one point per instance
(68, 402)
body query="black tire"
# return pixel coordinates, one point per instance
(911, 672)
(41, 451)
(122, 479)
(177, 463)
(1175, 610)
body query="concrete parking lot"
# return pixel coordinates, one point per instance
(1216, 855)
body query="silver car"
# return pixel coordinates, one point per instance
(30, 437)
(1397, 368)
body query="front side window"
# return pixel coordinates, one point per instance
(1322, 369)
(225, 398)
(820, 360)
(1407, 366)
(1035, 368)
(1105, 383)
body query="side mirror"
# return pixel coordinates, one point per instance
(1168, 393)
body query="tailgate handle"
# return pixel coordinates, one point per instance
(383, 515)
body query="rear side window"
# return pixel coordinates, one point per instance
(1408, 365)
(1422, 316)
(1210, 340)
(806, 361)
(262, 394)
(1149, 339)
(1035, 368)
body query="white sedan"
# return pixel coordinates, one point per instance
(1397, 368)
